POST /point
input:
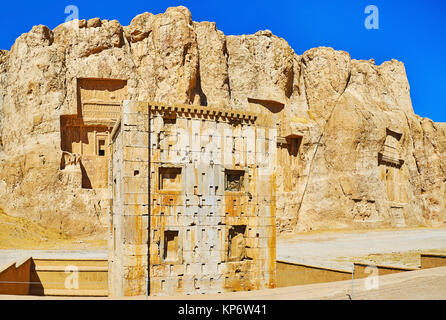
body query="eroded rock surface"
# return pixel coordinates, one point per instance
(363, 158)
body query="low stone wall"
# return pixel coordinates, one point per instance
(292, 274)
(69, 277)
(14, 279)
(55, 277)
(432, 260)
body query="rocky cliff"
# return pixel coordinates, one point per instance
(365, 159)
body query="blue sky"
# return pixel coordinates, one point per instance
(413, 32)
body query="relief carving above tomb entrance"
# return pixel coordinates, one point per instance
(100, 100)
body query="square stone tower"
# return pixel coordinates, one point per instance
(192, 201)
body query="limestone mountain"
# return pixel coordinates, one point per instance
(363, 158)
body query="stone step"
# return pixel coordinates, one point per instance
(70, 293)
(70, 262)
(78, 268)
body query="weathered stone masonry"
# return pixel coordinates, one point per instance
(210, 221)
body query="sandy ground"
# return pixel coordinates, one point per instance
(339, 249)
